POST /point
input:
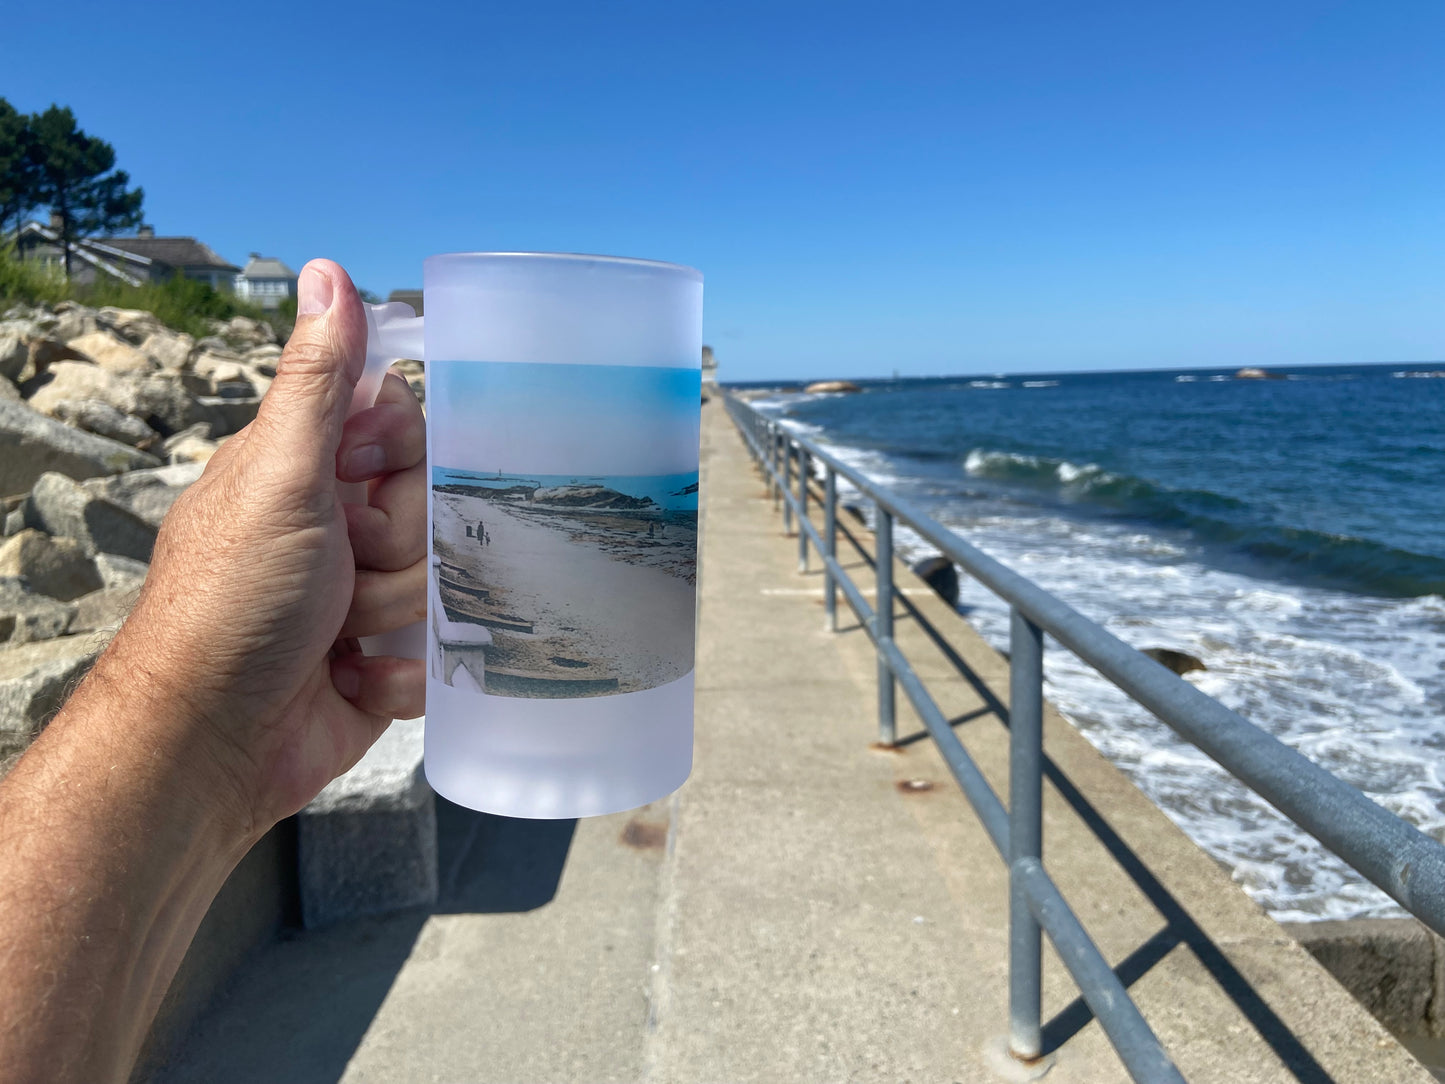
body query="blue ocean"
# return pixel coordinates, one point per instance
(1290, 532)
(670, 492)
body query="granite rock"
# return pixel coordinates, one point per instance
(367, 843)
(148, 494)
(170, 350)
(35, 679)
(26, 617)
(117, 571)
(112, 354)
(63, 507)
(132, 325)
(103, 610)
(99, 417)
(31, 444)
(57, 567)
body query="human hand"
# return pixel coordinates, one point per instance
(262, 577)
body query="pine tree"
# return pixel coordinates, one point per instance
(78, 181)
(18, 174)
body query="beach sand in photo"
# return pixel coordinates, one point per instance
(578, 601)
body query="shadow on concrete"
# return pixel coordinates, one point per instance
(490, 864)
(297, 1010)
(1179, 929)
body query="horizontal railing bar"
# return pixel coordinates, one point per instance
(975, 787)
(1132, 1037)
(1392, 854)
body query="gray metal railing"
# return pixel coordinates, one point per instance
(1394, 855)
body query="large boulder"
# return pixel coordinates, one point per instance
(1181, 662)
(26, 616)
(35, 680)
(9, 392)
(57, 567)
(103, 610)
(231, 413)
(63, 507)
(165, 404)
(120, 571)
(95, 416)
(25, 351)
(132, 325)
(217, 365)
(264, 357)
(45, 352)
(194, 446)
(941, 574)
(78, 380)
(14, 353)
(148, 494)
(113, 354)
(72, 320)
(31, 444)
(171, 350)
(243, 331)
(836, 386)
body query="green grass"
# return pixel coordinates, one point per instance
(179, 303)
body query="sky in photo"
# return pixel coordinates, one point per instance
(517, 419)
(945, 188)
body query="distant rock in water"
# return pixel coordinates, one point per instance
(941, 575)
(832, 385)
(1179, 661)
(1257, 374)
(585, 496)
(685, 490)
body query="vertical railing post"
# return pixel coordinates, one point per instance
(802, 508)
(883, 622)
(787, 483)
(830, 540)
(1026, 739)
(775, 449)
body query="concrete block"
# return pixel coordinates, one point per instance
(368, 843)
(1388, 964)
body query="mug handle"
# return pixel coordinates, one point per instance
(393, 331)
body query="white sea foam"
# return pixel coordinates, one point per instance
(1353, 682)
(990, 385)
(1041, 383)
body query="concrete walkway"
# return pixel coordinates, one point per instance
(806, 908)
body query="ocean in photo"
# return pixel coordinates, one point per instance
(1289, 532)
(562, 586)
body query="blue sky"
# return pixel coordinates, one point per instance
(970, 187)
(551, 419)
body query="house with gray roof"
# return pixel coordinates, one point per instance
(133, 260)
(266, 281)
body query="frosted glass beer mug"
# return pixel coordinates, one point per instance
(562, 449)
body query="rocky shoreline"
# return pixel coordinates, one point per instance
(106, 415)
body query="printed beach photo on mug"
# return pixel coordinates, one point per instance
(552, 583)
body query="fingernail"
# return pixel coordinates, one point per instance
(313, 292)
(346, 679)
(366, 461)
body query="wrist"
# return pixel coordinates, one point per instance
(158, 746)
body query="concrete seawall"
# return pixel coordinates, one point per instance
(806, 908)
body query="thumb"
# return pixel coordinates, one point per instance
(305, 407)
